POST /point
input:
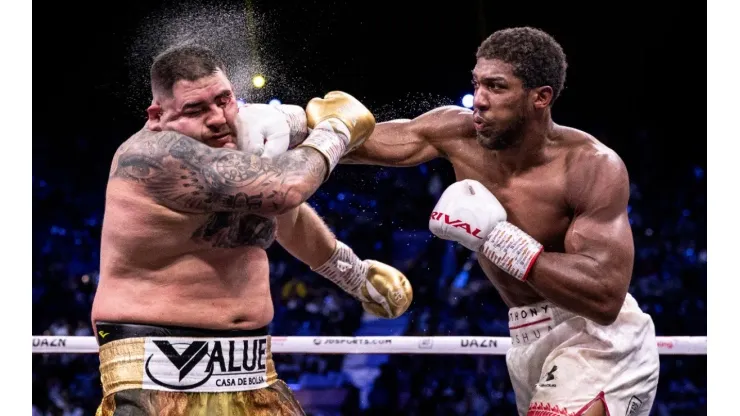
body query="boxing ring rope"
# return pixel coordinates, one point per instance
(473, 345)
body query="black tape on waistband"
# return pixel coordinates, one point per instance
(113, 331)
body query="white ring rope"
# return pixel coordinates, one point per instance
(473, 345)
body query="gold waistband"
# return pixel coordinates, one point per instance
(122, 364)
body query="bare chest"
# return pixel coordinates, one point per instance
(534, 201)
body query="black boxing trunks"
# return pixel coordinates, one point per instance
(167, 370)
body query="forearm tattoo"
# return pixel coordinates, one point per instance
(184, 174)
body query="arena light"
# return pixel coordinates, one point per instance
(274, 101)
(258, 81)
(467, 100)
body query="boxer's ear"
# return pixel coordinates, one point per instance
(542, 97)
(154, 117)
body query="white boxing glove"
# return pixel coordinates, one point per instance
(269, 130)
(466, 212)
(470, 214)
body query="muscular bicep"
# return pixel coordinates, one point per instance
(600, 229)
(607, 240)
(185, 175)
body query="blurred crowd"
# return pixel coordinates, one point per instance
(382, 213)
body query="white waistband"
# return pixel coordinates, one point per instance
(529, 323)
(205, 364)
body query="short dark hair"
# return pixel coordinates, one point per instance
(184, 62)
(537, 58)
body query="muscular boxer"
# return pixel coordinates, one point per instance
(183, 302)
(544, 207)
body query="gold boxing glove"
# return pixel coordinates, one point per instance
(352, 123)
(389, 288)
(384, 291)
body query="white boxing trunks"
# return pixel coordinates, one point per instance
(561, 363)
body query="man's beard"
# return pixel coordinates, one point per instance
(501, 139)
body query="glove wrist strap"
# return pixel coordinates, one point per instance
(511, 249)
(346, 270)
(331, 140)
(295, 116)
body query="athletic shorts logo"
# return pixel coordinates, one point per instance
(205, 365)
(551, 374)
(184, 362)
(549, 378)
(633, 406)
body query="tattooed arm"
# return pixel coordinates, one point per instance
(186, 175)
